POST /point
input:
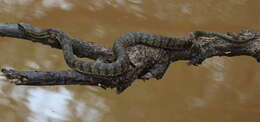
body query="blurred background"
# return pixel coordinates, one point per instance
(220, 90)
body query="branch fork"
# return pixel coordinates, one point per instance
(147, 62)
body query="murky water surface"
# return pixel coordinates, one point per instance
(221, 90)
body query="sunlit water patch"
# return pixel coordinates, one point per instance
(48, 105)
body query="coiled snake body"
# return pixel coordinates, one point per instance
(120, 65)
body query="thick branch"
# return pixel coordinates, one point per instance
(147, 61)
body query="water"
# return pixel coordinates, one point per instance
(220, 90)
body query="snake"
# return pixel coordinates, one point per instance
(243, 37)
(121, 63)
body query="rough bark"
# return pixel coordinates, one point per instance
(147, 62)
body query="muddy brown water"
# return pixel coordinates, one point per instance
(220, 90)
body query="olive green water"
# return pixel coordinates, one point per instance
(220, 90)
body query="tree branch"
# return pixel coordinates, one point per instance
(147, 62)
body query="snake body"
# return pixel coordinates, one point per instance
(120, 65)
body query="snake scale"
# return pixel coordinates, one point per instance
(120, 65)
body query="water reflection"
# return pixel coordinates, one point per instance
(42, 105)
(11, 4)
(62, 4)
(3, 84)
(32, 64)
(47, 105)
(216, 70)
(219, 90)
(92, 110)
(216, 66)
(129, 6)
(22, 8)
